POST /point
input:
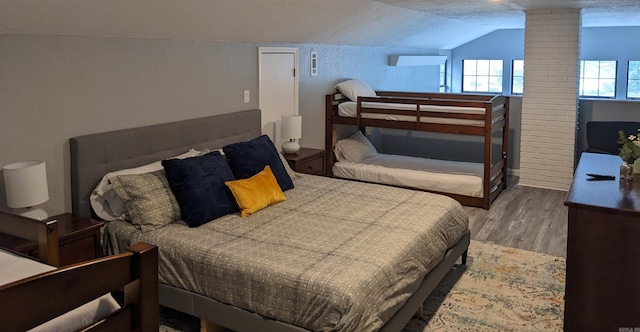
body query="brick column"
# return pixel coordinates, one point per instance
(550, 99)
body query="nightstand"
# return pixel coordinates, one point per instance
(309, 161)
(78, 240)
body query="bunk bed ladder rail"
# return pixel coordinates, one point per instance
(496, 173)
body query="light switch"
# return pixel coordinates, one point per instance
(247, 96)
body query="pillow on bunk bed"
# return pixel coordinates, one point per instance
(355, 148)
(354, 88)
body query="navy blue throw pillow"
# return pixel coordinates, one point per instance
(198, 185)
(248, 158)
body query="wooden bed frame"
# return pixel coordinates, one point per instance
(494, 174)
(94, 155)
(30, 302)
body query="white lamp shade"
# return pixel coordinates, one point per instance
(25, 184)
(291, 127)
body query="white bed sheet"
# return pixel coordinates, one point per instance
(15, 267)
(463, 178)
(350, 109)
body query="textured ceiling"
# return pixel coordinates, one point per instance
(438, 24)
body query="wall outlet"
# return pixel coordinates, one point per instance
(247, 96)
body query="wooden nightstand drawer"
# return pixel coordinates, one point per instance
(308, 161)
(315, 166)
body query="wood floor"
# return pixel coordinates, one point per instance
(533, 219)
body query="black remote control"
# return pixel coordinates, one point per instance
(596, 177)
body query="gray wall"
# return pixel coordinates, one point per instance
(53, 88)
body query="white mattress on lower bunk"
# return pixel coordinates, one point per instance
(350, 109)
(455, 177)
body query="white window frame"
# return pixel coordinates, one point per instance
(488, 72)
(591, 82)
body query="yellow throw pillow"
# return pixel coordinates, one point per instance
(257, 192)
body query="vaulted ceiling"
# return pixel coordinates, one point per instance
(437, 24)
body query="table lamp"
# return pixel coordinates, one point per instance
(291, 130)
(25, 185)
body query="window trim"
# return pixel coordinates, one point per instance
(629, 80)
(513, 75)
(489, 76)
(581, 79)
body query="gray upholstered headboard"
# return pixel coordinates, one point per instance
(94, 155)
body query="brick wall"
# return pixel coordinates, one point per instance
(550, 99)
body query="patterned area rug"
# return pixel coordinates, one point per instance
(500, 289)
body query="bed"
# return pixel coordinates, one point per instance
(276, 270)
(485, 116)
(38, 296)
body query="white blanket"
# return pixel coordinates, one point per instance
(453, 177)
(15, 267)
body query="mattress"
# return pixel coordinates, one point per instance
(462, 178)
(350, 109)
(337, 255)
(16, 267)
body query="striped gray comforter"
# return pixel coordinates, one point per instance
(335, 256)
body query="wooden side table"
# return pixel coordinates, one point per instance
(307, 160)
(78, 240)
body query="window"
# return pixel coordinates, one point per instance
(598, 78)
(517, 77)
(443, 77)
(633, 80)
(482, 76)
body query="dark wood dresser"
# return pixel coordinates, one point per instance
(603, 249)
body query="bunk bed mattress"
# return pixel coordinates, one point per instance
(350, 109)
(16, 267)
(455, 177)
(336, 255)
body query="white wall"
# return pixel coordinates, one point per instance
(53, 88)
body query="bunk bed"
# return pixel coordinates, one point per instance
(463, 114)
(37, 295)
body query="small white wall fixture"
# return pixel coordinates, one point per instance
(416, 60)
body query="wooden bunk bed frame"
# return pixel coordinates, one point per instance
(32, 301)
(495, 119)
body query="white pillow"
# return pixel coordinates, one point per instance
(354, 88)
(107, 204)
(355, 148)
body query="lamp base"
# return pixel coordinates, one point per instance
(290, 147)
(38, 214)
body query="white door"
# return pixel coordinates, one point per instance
(278, 88)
